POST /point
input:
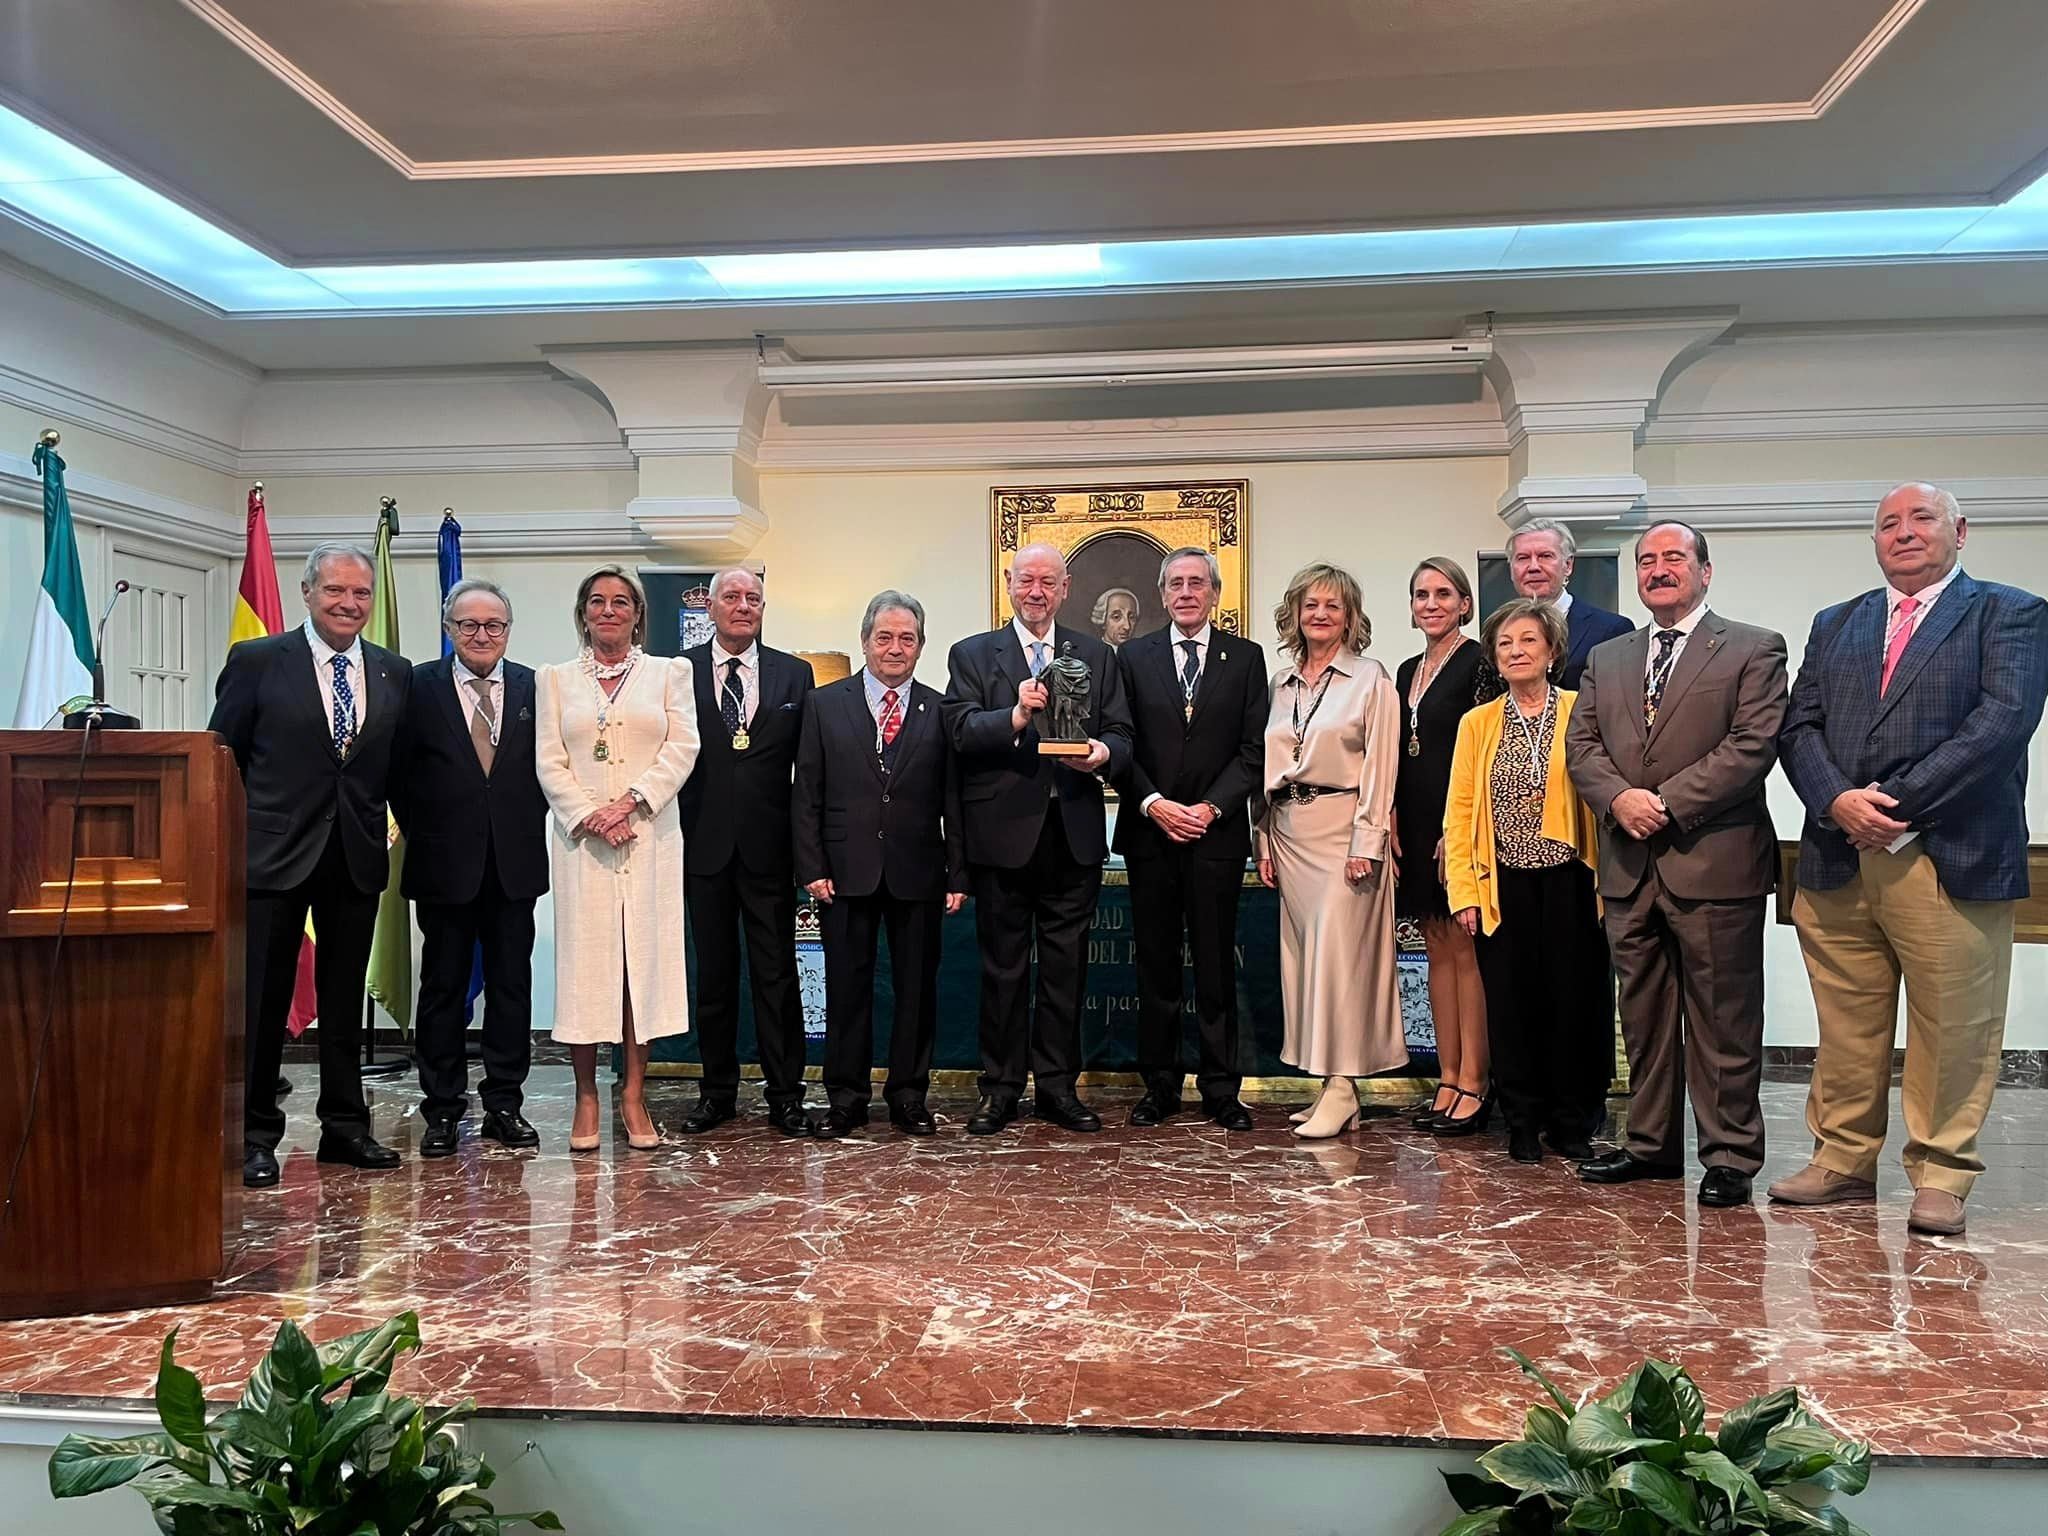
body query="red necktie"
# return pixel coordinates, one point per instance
(1902, 636)
(892, 717)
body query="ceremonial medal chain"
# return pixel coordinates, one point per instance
(1539, 762)
(599, 674)
(1418, 688)
(1301, 722)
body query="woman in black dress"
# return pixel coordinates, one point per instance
(1436, 689)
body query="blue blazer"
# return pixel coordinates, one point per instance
(1948, 740)
(1585, 627)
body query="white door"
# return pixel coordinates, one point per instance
(157, 656)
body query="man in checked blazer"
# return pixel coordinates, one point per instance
(1675, 732)
(312, 716)
(1198, 702)
(1907, 740)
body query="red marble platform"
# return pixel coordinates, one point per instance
(1178, 1280)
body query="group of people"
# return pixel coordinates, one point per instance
(1565, 802)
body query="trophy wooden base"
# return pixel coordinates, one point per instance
(1063, 749)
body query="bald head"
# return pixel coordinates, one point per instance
(1038, 585)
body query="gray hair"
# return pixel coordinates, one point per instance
(718, 580)
(320, 554)
(1565, 541)
(1100, 613)
(470, 584)
(1191, 552)
(1951, 509)
(886, 599)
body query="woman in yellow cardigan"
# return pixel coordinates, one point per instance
(1518, 867)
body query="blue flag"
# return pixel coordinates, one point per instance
(448, 553)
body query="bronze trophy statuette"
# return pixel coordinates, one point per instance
(1064, 728)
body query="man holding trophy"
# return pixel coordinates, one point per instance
(1036, 712)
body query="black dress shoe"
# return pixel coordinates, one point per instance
(509, 1128)
(259, 1168)
(284, 1085)
(1620, 1168)
(355, 1151)
(1525, 1146)
(708, 1115)
(441, 1138)
(792, 1119)
(835, 1123)
(991, 1115)
(1068, 1113)
(1724, 1186)
(912, 1118)
(1572, 1147)
(1230, 1114)
(1153, 1110)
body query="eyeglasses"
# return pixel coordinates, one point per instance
(469, 628)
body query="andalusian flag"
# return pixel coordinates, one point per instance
(390, 978)
(259, 611)
(60, 636)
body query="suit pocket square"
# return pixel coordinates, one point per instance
(525, 714)
(791, 705)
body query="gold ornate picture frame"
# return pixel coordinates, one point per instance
(1114, 536)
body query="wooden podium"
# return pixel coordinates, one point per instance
(131, 1172)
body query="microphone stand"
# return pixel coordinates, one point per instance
(99, 714)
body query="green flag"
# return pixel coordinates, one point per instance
(59, 670)
(390, 978)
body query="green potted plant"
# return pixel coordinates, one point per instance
(1638, 1462)
(298, 1456)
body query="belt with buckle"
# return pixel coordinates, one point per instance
(1287, 792)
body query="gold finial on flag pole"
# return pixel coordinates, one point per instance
(257, 487)
(51, 437)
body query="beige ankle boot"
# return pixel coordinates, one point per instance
(1335, 1112)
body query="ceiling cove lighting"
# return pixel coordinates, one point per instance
(56, 187)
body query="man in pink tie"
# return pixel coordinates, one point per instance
(1907, 740)
(876, 829)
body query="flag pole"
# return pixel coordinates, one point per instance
(392, 906)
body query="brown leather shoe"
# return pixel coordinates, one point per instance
(1815, 1185)
(1935, 1211)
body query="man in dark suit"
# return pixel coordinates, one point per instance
(467, 796)
(312, 716)
(741, 873)
(1675, 732)
(1036, 839)
(1198, 701)
(1541, 555)
(877, 834)
(1907, 740)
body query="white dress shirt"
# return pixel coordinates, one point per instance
(462, 675)
(323, 671)
(1685, 627)
(749, 678)
(1175, 640)
(1563, 602)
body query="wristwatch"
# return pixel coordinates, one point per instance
(641, 801)
(1215, 810)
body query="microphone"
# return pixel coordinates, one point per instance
(99, 714)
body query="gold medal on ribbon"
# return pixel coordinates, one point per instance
(740, 739)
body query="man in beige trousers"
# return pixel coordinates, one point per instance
(1907, 740)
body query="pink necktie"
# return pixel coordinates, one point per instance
(1902, 636)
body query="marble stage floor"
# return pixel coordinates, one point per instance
(1178, 1280)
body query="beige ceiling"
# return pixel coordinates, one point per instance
(521, 87)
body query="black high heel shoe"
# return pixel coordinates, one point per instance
(1426, 1118)
(1465, 1125)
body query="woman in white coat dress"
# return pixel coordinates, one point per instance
(616, 736)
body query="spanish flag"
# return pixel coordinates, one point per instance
(259, 611)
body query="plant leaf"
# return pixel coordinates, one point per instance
(1534, 1372)
(1745, 1494)
(1546, 1426)
(294, 1363)
(1795, 1451)
(1850, 1473)
(180, 1400)
(1692, 1407)
(1600, 1434)
(1534, 1469)
(253, 1434)
(1594, 1514)
(1479, 1522)
(84, 1464)
(1661, 1493)
(1474, 1493)
(168, 1489)
(340, 1434)
(1790, 1515)
(1654, 1412)
(1745, 1426)
(371, 1351)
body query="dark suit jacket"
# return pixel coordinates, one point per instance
(738, 802)
(866, 830)
(1004, 783)
(1708, 756)
(1948, 740)
(266, 707)
(1217, 756)
(1587, 626)
(450, 812)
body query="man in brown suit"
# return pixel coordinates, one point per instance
(1675, 731)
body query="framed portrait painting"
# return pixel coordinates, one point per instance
(1114, 537)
